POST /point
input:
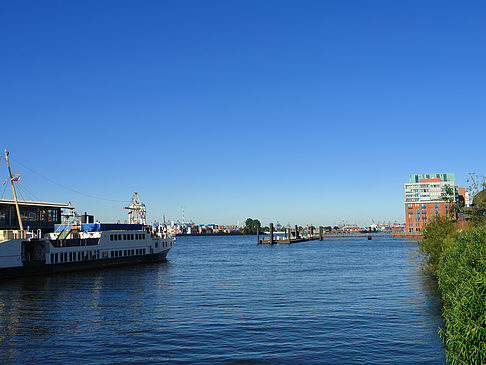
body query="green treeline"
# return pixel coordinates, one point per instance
(252, 226)
(458, 260)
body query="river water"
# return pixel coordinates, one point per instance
(228, 300)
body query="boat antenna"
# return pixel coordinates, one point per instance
(12, 178)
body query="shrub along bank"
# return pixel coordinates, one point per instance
(458, 260)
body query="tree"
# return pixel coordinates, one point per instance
(448, 197)
(477, 210)
(251, 226)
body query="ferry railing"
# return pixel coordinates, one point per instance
(14, 234)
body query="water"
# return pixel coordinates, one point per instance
(228, 300)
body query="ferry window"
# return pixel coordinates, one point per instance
(119, 237)
(112, 254)
(124, 237)
(144, 251)
(124, 252)
(133, 252)
(143, 236)
(55, 258)
(131, 236)
(136, 236)
(52, 258)
(111, 237)
(156, 244)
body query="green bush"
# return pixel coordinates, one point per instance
(461, 273)
(437, 237)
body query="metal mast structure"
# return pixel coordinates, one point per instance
(136, 211)
(12, 179)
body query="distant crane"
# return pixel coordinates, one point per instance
(136, 211)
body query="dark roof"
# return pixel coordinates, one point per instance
(37, 204)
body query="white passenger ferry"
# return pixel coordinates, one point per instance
(74, 245)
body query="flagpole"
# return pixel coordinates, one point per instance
(14, 193)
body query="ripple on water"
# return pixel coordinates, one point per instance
(228, 300)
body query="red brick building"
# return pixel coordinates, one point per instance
(424, 199)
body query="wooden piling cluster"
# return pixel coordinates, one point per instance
(290, 236)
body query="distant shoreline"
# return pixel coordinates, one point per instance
(209, 234)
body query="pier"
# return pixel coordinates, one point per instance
(292, 235)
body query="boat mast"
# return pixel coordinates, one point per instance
(14, 193)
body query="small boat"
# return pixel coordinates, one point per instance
(77, 246)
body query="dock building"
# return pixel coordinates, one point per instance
(424, 198)
(35, 214)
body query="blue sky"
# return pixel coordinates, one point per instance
(291, 111)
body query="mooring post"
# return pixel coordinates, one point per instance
(312, 230)
(271, 233)
(320, 233)
(258, 236)
(296, 232)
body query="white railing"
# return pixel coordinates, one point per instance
(13, 234)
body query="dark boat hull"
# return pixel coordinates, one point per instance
(45, 269)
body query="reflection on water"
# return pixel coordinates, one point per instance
(227, 299)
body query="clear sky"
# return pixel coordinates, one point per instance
(291, 111)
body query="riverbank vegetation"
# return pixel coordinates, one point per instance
(252, 226)
(458, 260)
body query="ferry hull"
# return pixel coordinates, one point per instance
(45, 269)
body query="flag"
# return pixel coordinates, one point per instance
(15, 178)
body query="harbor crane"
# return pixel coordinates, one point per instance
(136, 211)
